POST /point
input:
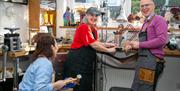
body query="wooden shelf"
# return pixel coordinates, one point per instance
(174, 30)
(49, 20)
(99, 28)
(47, 25)
(169, 52)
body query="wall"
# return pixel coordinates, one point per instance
(61, 8)
(14, 15)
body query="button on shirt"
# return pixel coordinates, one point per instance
(38, 76)
(156, 36)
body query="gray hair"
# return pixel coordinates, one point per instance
(84, 20)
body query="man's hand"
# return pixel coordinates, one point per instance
(134, 44)
(127, 46)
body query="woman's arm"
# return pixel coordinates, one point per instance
(58, 85)
(99, 47)
(61, 83)
(43, 77)
(108, 45)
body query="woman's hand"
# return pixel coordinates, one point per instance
(109, 45)
(70, 80)
(112, 50)
(59, 84)
(99, 46)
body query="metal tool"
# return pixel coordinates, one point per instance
(72, 82)
(4, 49)
(12, 43)
(77, 79)
(12, 40)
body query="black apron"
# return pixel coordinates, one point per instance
(81, 61)
(148, 62)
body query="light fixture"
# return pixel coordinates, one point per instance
(122, 17)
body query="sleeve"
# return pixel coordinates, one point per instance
(161, 29)
(87, 36)
(43, 80)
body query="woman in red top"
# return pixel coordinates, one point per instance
(82, 56)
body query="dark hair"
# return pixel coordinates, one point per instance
(67, 9)
(43, 47)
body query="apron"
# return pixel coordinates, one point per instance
(81, 61)
(146, 62)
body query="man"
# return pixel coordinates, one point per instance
(152, 39)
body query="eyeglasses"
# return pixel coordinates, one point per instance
(146, 5)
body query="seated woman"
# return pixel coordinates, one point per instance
(38, 76)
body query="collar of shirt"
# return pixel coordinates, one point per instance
(146, 21)
(149, 18)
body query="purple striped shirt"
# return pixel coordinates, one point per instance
(156, 36)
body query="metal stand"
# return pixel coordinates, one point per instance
(4, 50)
(13, 43)
(16, 74)
(16, 55)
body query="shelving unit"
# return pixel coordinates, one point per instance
(48, 19)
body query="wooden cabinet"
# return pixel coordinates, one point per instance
(48, 19)
(34, 15)
(37, 15)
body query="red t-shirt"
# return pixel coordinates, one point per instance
(83, 36)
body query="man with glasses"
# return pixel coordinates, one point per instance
(152, 39)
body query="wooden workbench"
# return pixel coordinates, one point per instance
(66, 47)
(167, 51)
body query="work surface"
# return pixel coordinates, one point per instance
(66, 47)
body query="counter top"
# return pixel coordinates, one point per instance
(22, 52)
(167, 51)
(25, 51)
(66, 47)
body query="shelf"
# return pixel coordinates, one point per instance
(48, 25)
(99, 28)
(45, 10)
(174, 30)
